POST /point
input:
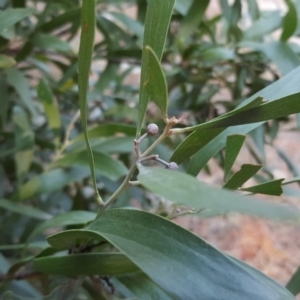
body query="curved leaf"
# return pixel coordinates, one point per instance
(108, 264)
(155, 83)
(264, 111)
(70, 218)
(88, 23)
(69, 238)
(157, 21)
(184, 265)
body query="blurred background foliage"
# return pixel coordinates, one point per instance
(217, 54)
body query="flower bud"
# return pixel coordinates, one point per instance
(152, 129)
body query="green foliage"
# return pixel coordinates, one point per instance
(68, 222)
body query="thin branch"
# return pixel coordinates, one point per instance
(167, 131)
(186, 212)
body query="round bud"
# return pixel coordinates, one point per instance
(173, 166)
(152, 129)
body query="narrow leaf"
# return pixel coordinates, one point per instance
(240, 177)
(234, 144)
(104, 164)
(108, 264)
(266, 111)
(155, 84)
(186, 190)
(24, 210)
(50, 181)
(51, 109)
(157, 21)
(69, 218)
(294, 283)
(273, 188)
(88, 23)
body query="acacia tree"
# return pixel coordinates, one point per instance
(121, 251)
